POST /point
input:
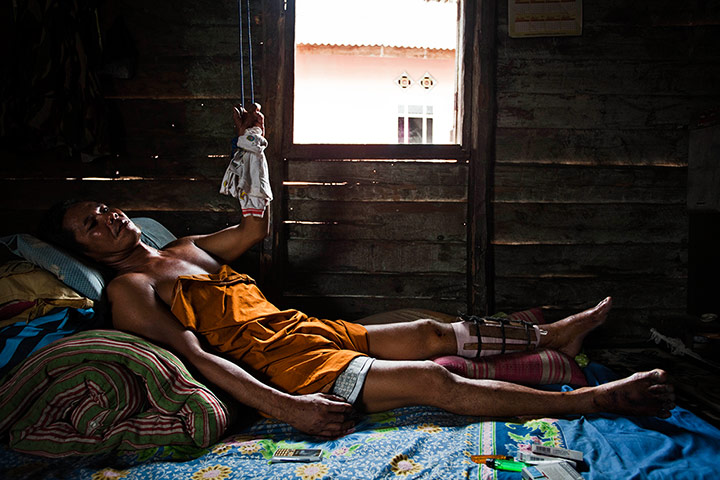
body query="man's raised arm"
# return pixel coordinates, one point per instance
(230, 243)
(136, 309)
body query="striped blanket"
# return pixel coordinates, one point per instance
(104, 390)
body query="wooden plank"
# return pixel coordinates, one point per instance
(481, 109)
(186, 14)
(376, 181)
(179, 222)
(149, 195)
(589, 184)
(591, 261)
(36, 167)
(430, 221)
(600, 76)
(593, 146)
(377, 193)
(565, 224)
(640, 292)
(585, 111)
(277, 63)
(180, 77)
(614, 42)
(374, 151)
(173, 128)
(355, 308)
(384, 172)
(653, 12)
(410, 286)
(320, 255)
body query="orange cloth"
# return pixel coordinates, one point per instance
(297, 353)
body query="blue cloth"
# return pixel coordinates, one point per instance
(681, 447)
(19, 340)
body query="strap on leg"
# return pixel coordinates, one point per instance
(501, 322)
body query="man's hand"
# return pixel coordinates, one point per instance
(246, 118)
(320, 414)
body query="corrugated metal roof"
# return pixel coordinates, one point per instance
(396, 23)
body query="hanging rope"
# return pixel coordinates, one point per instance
(250, 78)
(240, 51)
(250, 55)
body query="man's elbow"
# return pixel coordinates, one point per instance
(259, 227)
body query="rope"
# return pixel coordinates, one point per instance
(250, 55)
(240, 50)
(241, 53)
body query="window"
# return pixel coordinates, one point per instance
(356, 60)
(415, 124)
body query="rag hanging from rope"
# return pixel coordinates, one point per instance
(247, 177)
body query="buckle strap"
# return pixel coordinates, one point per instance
(502, 321)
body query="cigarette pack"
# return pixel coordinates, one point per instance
(296, 455)
(559, 452)
(551, 471)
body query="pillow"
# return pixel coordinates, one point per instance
(540, 367)
(22, 281)
(79, 274)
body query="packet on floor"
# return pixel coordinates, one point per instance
(551, 471)
(297, 455)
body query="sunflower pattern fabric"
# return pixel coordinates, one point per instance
(413, 442)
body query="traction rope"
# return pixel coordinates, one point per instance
(249, 50)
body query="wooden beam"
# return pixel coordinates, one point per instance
(480, 31)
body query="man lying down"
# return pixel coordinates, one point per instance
(309, 372)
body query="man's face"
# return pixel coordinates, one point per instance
(100, 230)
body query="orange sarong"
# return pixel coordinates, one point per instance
(296, 353)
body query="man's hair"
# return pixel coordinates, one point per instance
(52, 230)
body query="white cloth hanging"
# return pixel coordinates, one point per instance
(247, 177)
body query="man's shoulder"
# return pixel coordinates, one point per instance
(129, 281)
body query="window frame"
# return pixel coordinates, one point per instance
(292, 150)
(475, 125)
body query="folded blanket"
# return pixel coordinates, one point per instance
(104, 390)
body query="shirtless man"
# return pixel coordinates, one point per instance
(142, 292)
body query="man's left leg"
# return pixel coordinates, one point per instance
(393, 384)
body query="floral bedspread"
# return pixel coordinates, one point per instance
(414, 442)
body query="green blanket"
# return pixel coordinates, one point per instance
(104, 390)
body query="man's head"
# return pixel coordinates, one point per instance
(91, 228)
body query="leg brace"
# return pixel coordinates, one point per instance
(481, 336)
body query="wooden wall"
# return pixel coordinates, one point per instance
(171, 124)
(586, 163)
(591, 159)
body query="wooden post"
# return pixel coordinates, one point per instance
(479, 137)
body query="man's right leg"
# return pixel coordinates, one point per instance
(393, 384)
(423, 339)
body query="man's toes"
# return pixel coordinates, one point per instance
(660, 375)
(662, 389)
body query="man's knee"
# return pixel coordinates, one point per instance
(433, 334)
(435, 378)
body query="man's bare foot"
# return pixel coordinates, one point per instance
(644, 393)
(567, 335)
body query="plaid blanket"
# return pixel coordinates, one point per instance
(104, 390)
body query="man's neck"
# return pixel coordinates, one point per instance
(135, 260)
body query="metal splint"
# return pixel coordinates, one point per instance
(509, 334)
